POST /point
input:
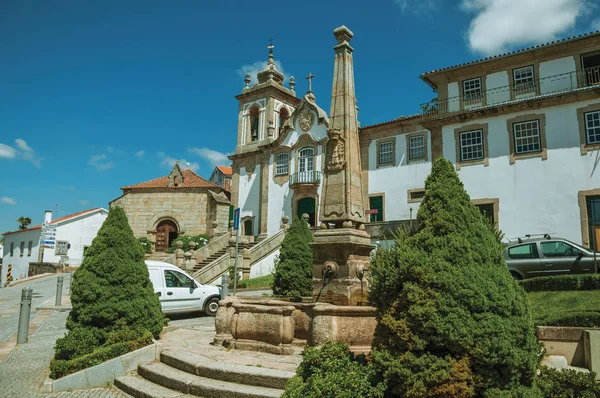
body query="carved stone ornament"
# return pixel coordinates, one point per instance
(336, 149)
(250, 166)
(305, 120)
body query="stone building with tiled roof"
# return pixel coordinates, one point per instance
(221, 176)
(179, 203)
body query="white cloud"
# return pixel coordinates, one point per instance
(8, 201)
(139, 154)
(98, 161)
(417, 6)
(84, 202)
(499, 25)
(23, 152)
(256, 67)
(168, 162)
(213, 157)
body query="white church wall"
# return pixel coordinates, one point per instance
(280, 201)
(535, 195)
(264, 266)
(249, 195)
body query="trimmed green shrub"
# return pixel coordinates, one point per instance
(146, 244)
(293, 269)
(451, 320)
(201, 241)
(334, 371)
(112, 297)
(575, 318)
(562, 283)
(567, 383)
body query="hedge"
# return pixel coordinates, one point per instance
(575, 319)
(567, 383)
(562, 283)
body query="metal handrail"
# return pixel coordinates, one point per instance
(305, 177)
(562, 83)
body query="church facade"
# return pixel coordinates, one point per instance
(523, 130)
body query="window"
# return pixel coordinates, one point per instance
(592, 127)
(416, 195)
(558, 249)
(253, 126)
(523, 79)
(248, 228)
(523, 251)
(471, 145)
(281, 164)
(29, 246)
(306, 160)
(12, 248)
(472, 90)
(376, 207)
(527, 137)
(416, 148)
(591, 67)
(177, 279)
(487, 211)
(22, 249)
(386, 152)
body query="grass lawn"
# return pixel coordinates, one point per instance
(262, 282)
(546, 306)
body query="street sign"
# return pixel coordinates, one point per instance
(372, 211)
(236, 219)
(61, 248)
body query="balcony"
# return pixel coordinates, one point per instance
(305, 178)
(545, 87)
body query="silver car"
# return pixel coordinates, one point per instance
(545, 256)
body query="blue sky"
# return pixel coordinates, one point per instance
(95, 95)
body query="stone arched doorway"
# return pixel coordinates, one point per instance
(309, 206)
(166, 233)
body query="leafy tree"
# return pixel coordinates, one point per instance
(452, 321)
(24, 222)
(293, 269)
(111, 291)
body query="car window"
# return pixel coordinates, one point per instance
(558, 249)
(523, 251)
(177, 279)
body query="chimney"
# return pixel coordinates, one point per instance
(47, 216)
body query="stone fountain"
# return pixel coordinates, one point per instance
(341, 249)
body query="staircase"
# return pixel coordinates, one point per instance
(181, 374)
(219, 254)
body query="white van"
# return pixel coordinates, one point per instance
(179, 292)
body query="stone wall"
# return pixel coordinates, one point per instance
(145, 209)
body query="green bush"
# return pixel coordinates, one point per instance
(589, 318)
(293, 269)
(333, 371)
(201, 240)
(562, 283)
(112, 297)
(146, 244)
(62, 367)
(567, 383)
(451, 320)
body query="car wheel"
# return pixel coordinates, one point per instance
(211, 307)
(516, 276)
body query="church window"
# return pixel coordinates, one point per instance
(254, 123)
(283, 117)
(306, 160)
(282, 161)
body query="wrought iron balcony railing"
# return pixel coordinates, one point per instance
(305, 177)
(544, 87)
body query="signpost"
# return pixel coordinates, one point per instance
(47, 239)
(236, 229)
(62, 248)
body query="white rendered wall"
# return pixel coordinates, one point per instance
(535, 195)
(280, 201)
(20, 265)
(395, 181)
(249, 195)
(557, 74)
(264, 266)
(493, 83)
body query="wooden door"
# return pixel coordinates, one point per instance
(166, 231)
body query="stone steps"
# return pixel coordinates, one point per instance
(182, 374)
(218, 255)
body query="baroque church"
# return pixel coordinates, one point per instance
(511, 124)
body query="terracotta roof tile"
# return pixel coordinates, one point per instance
(190, 180)
(58, 220)
(549, 44)
(391, 121)
(225, 170)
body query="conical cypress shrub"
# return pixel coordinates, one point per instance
(293, 269)
(452, 321)
(112, 286)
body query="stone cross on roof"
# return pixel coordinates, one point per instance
(309, 78)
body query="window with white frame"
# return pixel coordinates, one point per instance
(281, 164)
(22, 249)
(472, 89)
(527, 137)
(306, 160)
(592, 127)
(386, 152)
(523, 79)
(471, 145)
(416, 148)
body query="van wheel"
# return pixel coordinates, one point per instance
(211, 306)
